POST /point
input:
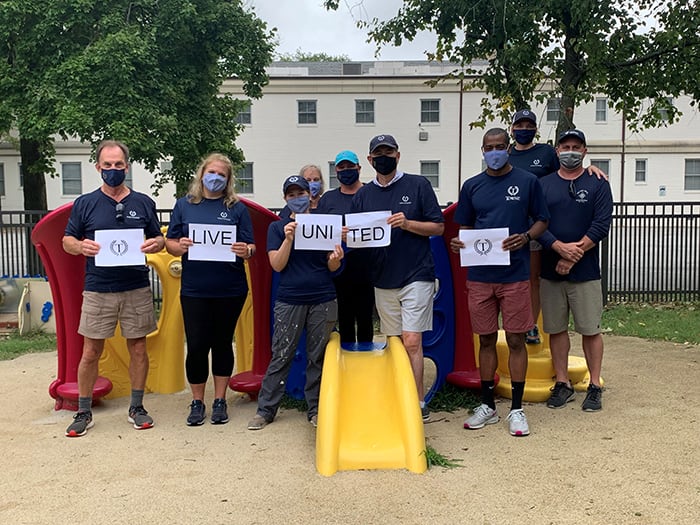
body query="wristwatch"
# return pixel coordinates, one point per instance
(527, 236)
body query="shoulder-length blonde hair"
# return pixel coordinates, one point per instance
(195, 194)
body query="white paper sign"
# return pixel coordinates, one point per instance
(120, 247)
(484, 247)
(317, 231)
(368, 230)
(212, 242)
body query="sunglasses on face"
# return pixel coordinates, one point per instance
(119, 209)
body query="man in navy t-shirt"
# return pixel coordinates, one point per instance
(501, 197)
(403, 272)
(581, 208)
(113, 293)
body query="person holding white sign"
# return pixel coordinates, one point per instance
(113, 293)
(305, 300)
(403, 272)
(213, 286)
(501, 197)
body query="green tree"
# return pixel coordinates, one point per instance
(638, 53)
(147, 72)
(303, 56)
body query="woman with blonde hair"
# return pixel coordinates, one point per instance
(212, 293)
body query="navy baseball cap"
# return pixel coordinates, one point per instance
(383, 140)
(346, 155)
(295, 180)
(575, 133)
(525, 114)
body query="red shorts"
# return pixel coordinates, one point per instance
(512, 300)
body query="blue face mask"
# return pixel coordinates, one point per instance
(349, 176)
(496, 159)
(113, 177)
(214, 182)
(524, 136)
(315, 188)
(299, 204)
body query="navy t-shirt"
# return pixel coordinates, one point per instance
(211, 278)
(306, 278)
(540, 160)
(514, 201)
(408, 258)
(97, 211)
(589, 213)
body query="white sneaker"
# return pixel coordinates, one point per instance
(518, 423)
(483, 415)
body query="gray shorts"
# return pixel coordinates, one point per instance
(408, 309)
(584, 300)
(133, 310)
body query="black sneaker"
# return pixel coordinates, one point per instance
(139, 418)
(425, 413)
(197, 413)
(82, 421)
(593, 401)
(219, 416)
(532, 337)
(561, 395)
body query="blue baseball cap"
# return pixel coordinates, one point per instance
(525, 114)
(295, 180)
(346, 155)
(383, 140)
(575, 133)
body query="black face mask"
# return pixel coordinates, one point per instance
(349, 176)
(384, 165)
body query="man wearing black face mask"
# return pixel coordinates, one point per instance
(113, 293)
(581, 210)
(403, 273)
(353, 285)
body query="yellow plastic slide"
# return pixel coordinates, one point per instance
(369, 417)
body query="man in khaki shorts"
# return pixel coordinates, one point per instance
(581, 213)
(113, 293)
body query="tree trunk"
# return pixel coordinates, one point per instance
(34, 196)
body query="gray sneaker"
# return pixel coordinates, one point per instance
(483, 415)
(219, 413)
(593, 401)
(257, 423)
(518, 423)
(139, 418)
(197, 413)
(314, 421)
(82, 421)
(561, 395)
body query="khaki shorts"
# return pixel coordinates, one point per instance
(408, 309)
(512, 300)
(584, 300)
(133, 310)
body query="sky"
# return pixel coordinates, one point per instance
(307, 25)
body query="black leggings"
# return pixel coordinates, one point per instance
(209, 325)
(355, 309)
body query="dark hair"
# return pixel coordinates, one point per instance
(495, 132)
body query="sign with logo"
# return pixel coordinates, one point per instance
(212, 242)
(318, 231)
(483, 247)
(368, 230)
(121, 247)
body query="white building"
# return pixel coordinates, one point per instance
(311, 111)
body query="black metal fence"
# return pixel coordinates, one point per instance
(652, 253)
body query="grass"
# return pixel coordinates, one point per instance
(15, 345)
(435, 459)
(676, 322)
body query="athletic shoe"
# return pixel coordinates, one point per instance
(219, 415)
(425, 413)
(82, 421)
(314, 421)
(593, 401)
(139, 418)
(257, 423)
(197, 413)
(483, 415)
(561, 395)
(518, 423)
(532, 337)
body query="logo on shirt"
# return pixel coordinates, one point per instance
(482, 246)
(223, 216)
(536, 162)
(582, 196)
(119, 247)
(132, 215)
(405, 200)
(513, 193)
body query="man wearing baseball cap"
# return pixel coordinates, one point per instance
(581, 210)
(403, 272)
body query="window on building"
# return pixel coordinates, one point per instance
(640, 170)
(602, 164)
(21, 174)
(663, 112)
(306, 111)
(430, 169)
(2, 179)
(332, 179)
(553, 109)
(71, 178)
(601, 110)
(244, 178)
(430, 110)
(364, 112)
(245, 115)
(692, 174)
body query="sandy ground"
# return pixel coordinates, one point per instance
(637, 461)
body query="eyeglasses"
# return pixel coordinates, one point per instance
(119, 209)
(572, 189)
